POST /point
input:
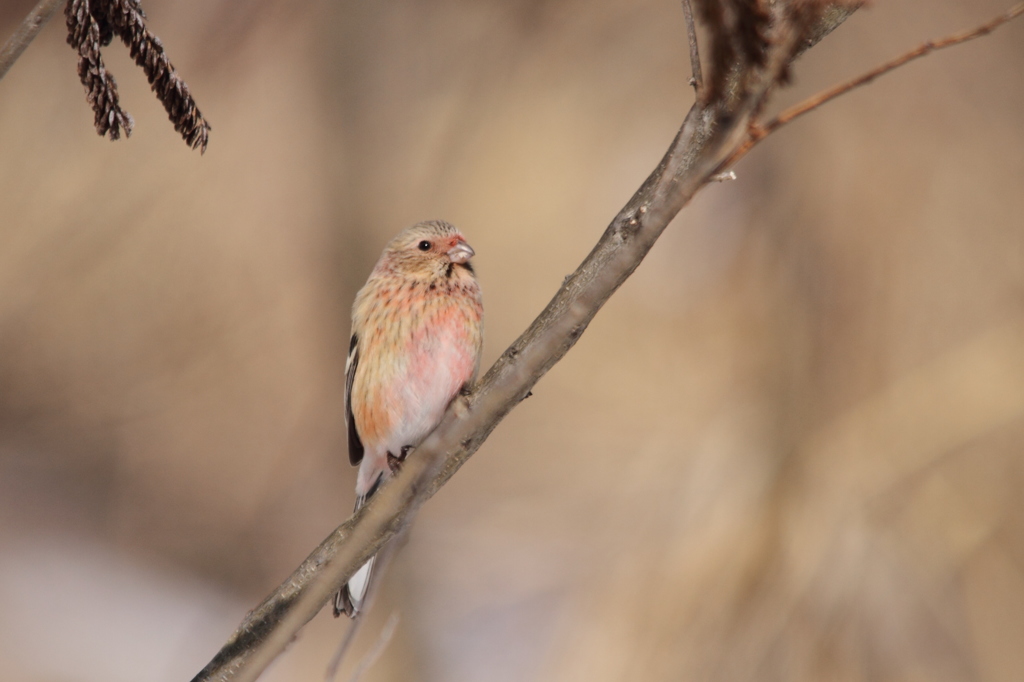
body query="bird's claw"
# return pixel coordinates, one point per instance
(395, 463)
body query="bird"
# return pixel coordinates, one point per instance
(417, 334)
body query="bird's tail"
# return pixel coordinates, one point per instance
(350, 598)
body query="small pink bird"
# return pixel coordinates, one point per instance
(417, 330)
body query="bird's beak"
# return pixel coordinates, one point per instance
(461, 252)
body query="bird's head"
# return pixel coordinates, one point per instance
(429, 250)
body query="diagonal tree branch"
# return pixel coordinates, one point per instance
(27, 32)
(707, 142)
(709, 134)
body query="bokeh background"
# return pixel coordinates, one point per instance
(788, 449)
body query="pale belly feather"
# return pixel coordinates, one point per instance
(440, 359)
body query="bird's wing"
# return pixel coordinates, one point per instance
(355, 444)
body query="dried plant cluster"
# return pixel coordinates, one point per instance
(741, 35)
(92, 24)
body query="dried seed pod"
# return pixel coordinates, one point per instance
(87, 34)
(93, 24)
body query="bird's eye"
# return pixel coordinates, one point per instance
(424, 245)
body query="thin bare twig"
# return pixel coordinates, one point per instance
(382, 643)
(27, 32)
(343, 646)
(697, 81)
(759, 131)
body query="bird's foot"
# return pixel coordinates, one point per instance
(395, 463)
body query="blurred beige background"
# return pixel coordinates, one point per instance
(789, 449)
